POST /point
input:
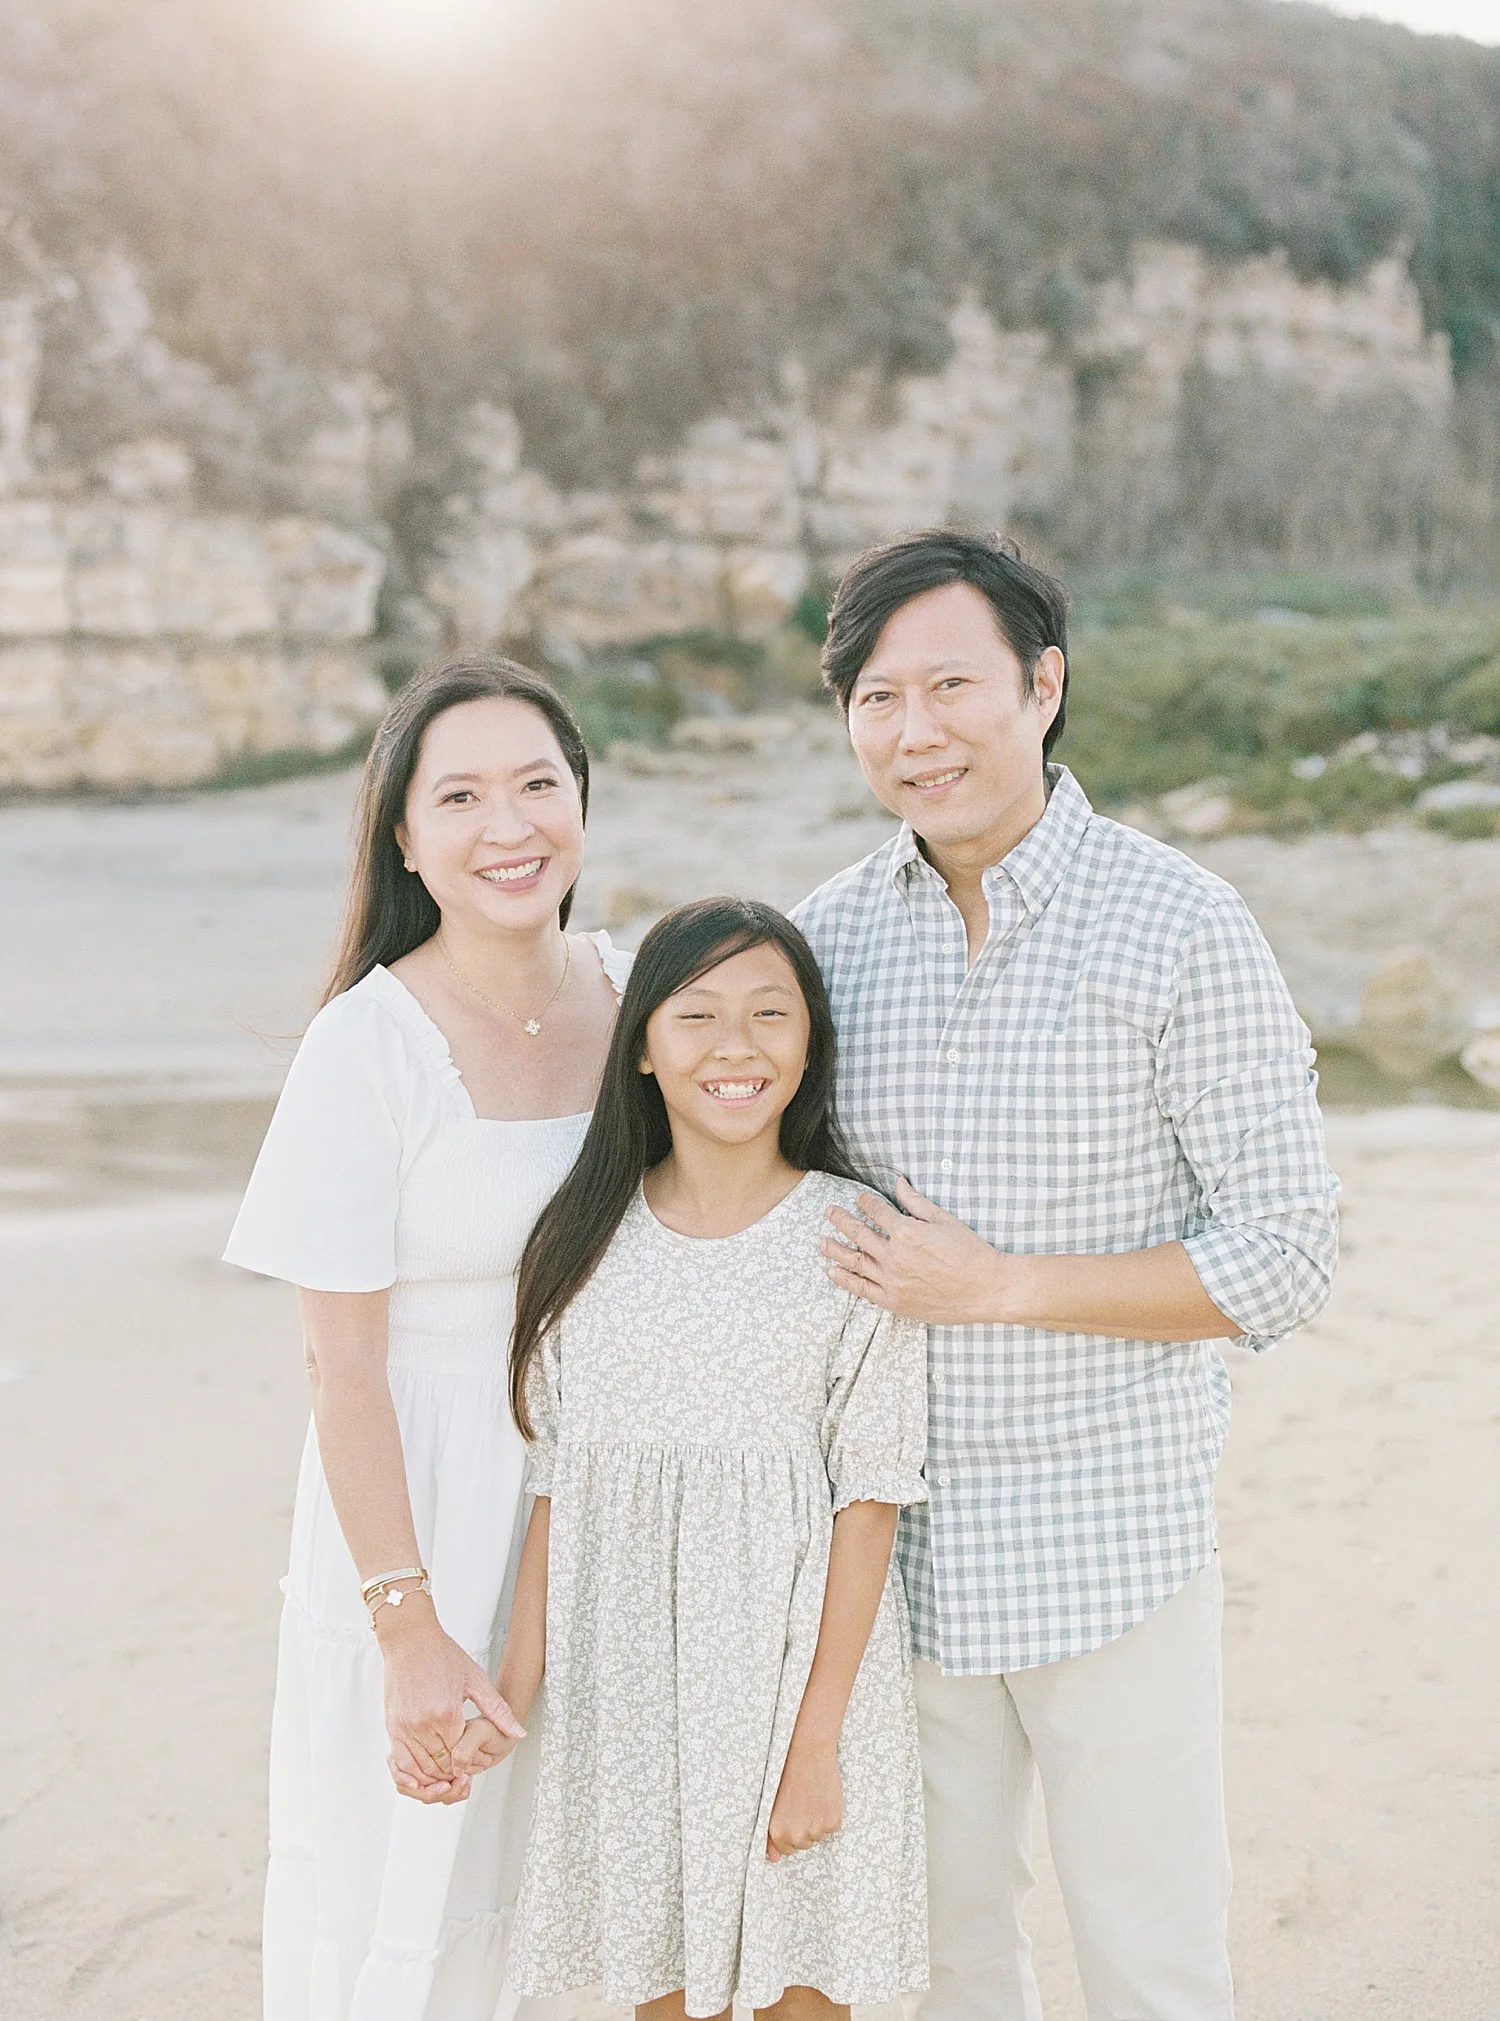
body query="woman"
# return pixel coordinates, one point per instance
(437, 1101)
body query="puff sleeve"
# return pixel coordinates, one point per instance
(875, 1427)
(544, 1405)
(320, 1210)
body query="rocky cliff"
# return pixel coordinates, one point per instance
(206, 586)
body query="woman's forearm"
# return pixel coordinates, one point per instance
(525, 1659)
(858, 1560)
(359, 1441)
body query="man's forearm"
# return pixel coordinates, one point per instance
(1144, 1294)
(919, 1260)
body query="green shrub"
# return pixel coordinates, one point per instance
(622, 698)
(1474, 702)
(1154, 708)
(1466, 824)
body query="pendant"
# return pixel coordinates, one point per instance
(532, 1027)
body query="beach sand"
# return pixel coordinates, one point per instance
(152, 1408)
(153, 1411)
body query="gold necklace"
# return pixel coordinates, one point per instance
(531, 1026)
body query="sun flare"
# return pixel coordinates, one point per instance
(413, 26)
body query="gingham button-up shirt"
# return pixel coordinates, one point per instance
(1122, 1066)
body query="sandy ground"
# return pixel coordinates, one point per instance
(151, 1422)
(151, 1411)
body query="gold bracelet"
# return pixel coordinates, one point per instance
(389, 1579)
(393, 1596)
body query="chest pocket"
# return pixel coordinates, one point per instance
(1074, 1109)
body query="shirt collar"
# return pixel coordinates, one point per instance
(1036, 865)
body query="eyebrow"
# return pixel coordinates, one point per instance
(456, 778)
(760, 989)
(932, 667)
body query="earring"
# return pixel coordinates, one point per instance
(409, 864)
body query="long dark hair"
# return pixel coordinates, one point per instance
(388, 912)
(630, 1133)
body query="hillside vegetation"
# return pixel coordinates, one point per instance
(1301, 724)
(623, 216)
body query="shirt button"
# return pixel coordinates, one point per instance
(938, 1379)
(947, 1166)
(943, 1480)
(953, 1056)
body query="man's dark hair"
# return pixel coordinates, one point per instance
(1030, 606)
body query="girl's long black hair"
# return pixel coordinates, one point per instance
(630, 1133)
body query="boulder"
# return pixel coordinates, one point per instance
(1456, 796)
(1481, 1058)
(1200, 810)
(1413, 1015)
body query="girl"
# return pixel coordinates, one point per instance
(730, 1800)
(438, 1098)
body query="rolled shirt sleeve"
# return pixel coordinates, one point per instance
(1235, 1078)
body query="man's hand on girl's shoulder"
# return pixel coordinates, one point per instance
(916, 1260)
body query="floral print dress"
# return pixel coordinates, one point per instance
(702, 1412)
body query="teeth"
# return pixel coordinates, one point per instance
(943, 779)
(516, 870)
(734, 1091)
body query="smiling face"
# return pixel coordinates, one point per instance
(730, 1049)
(943, 727)
(494, 820)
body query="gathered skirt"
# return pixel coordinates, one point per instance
(685, 1596)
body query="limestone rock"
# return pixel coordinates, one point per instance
(109, 570)
(1457, 795)
(324, 579)
(20, 367)
(1481, 1058)
(1412, 1015)
(114, 715)
(1201, 810)
(127, 614)
(151, 468)
(33, 570)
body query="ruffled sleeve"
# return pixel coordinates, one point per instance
(544, 1405)
(875, 1428)
(321, 1206)
(615, 961)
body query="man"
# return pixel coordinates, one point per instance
(1075, 1047)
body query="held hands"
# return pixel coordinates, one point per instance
(435, 1750)
(809, 1804)
(921, 1263)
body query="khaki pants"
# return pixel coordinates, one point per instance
(1127, 1741)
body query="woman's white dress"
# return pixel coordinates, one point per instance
(377, 1173)
(702, 1411)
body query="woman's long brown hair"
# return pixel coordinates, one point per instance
(629, 1131)
(388, 912)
